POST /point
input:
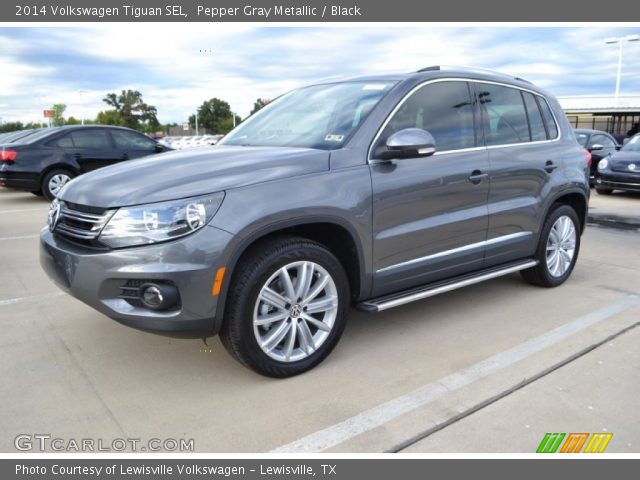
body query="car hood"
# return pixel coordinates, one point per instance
(620, 160)
(187, 173)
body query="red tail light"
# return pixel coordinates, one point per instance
(8, 155)
(587, 156)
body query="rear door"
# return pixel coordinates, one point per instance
(133, 144)
(430, 214)
(520, 134)
(91, 148)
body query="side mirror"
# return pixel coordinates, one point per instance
(408, 143)
(159, 148)
(596, 147)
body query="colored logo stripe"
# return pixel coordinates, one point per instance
(550, 443)
(598, 442)
(574, 443)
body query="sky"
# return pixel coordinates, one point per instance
(178, 66)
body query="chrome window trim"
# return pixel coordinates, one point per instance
(374, 161)
(471, 246)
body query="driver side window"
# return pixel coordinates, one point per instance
(444, 109)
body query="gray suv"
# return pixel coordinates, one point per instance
(374, 191)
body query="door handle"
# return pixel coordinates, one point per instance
(477, 176)
(549, 166)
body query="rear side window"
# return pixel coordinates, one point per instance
(93, 138)
(63, 141)
(506, 118)
(132, 141)
(444, 109)
(536, 123)
(549, 121)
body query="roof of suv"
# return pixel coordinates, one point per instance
(440, 71)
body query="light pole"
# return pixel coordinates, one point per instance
(197, 122)
(81, 93)
(620, 40)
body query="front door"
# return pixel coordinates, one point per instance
(430, 214)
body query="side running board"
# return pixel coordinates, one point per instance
(407, 296)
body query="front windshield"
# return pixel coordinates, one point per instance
(321, 116)
(632, 145)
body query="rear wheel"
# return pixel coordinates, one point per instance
(286, 308)
(53, 182)
(604, 191)
(557, 250)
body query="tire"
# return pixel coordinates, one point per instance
(604, 191)
(292, 344)
(565, 243)
(53, 181)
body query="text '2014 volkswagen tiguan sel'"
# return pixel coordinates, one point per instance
(374, 191)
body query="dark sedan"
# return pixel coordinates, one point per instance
(600, 144)
(620, 171)
(43, 161)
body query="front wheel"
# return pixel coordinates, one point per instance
(286, 308)
(557, 250)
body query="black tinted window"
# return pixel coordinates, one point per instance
(549, 121)
(444, 109)
(91, 139)
(536, 123)
(506, 118)
(63, 141)
(132, 141)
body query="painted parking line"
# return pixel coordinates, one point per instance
(385, 412)
(19, 237)
(44, 209)
(33, 298)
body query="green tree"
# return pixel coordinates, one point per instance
(259, 103)
(109, 117)
(11, 127)
(132, 111)
(214, 115)
(58, 114)
(72, 121)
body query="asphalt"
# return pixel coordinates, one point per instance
(488, 368)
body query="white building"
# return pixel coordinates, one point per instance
(602, 112)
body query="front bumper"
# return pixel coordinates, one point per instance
(95, 277)
(619, 181)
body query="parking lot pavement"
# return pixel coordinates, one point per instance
(618, 210)
(68, 371)
(596, 393)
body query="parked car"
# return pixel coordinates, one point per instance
(44, 161)
(621, 171)
(376, 191)
(600, 144)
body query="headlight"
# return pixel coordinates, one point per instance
(158, 222)
(602, 164)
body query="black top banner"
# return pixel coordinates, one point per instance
(308, 11)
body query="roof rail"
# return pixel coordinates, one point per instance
(472, 69)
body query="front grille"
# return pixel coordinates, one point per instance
(81, 226)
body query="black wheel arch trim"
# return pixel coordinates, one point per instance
(243, 240)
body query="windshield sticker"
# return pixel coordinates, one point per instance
(334, 138)
(375, 86)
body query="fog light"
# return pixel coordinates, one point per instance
(158, 296)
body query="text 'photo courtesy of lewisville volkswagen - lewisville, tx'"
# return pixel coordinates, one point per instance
(232, 238)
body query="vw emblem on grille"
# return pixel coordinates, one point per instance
(54, 216)
(632, 166)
